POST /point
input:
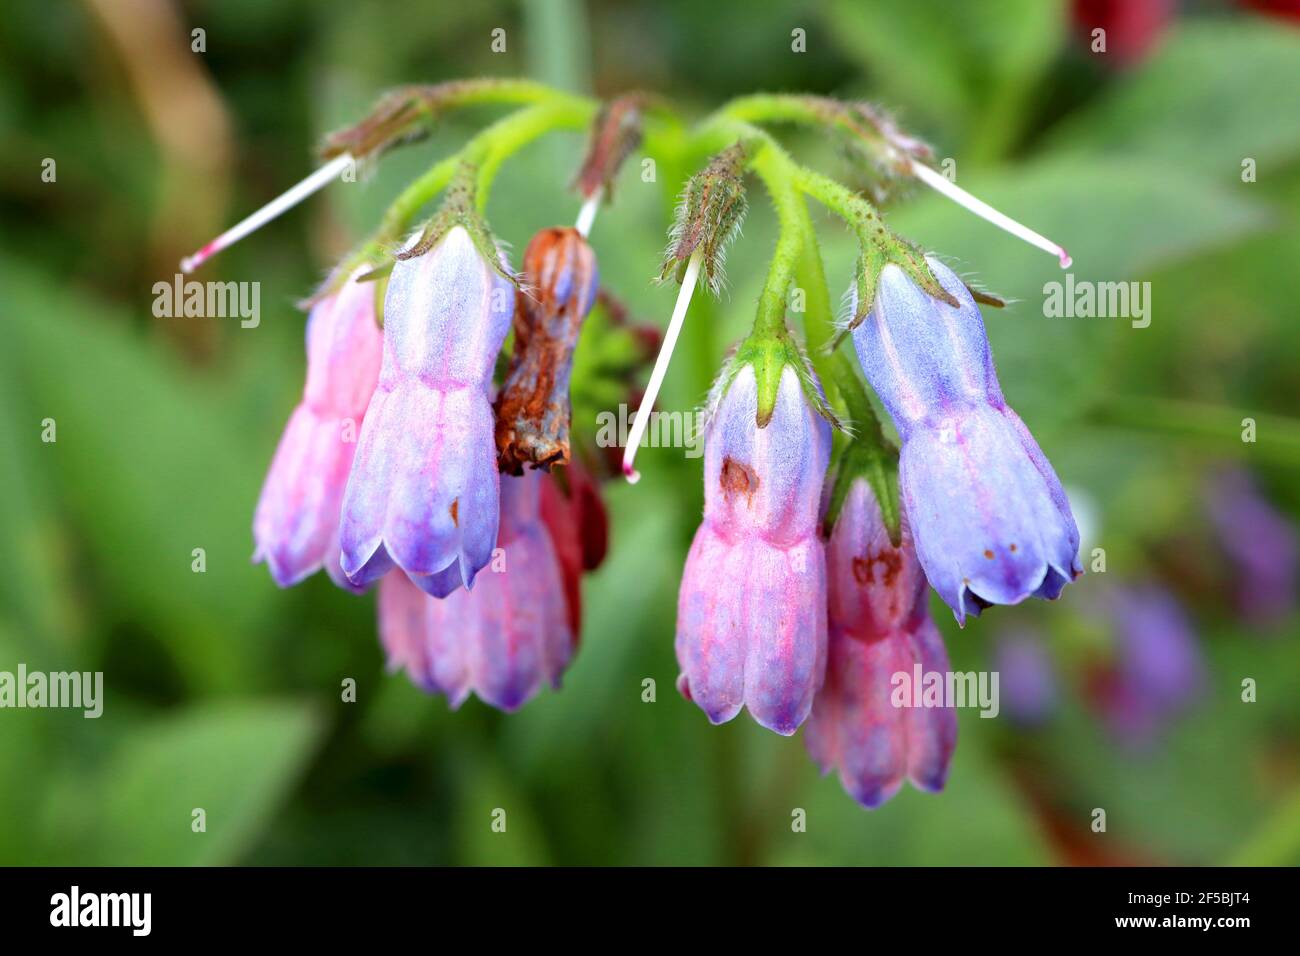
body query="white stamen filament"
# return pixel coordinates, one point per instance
(941, 184)
(587, 215)
(661, 365)
(284, 201)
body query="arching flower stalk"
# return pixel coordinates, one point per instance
(893, 153)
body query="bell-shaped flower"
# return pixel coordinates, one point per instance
(873, 725)
(880, 637)
(751, 614)
(296, 525)
(990, 520)
(424, 489)
(503, 640)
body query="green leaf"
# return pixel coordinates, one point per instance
(236, 761)
(152, 463)
(973, 76)
(1214, 93)
(34, 594)
(496, 823)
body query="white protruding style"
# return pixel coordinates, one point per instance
(941, 184)
(661, 365)
(284, 201)
(587, 214)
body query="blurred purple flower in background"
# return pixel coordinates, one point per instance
(1259, 541)
(1158, 669)
(1027, 678)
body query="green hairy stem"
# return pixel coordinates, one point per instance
(796, 259)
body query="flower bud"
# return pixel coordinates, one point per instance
(709, 216)
(615, 134)
(533, 408)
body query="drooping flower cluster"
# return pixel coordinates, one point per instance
(422, 507)
(979, 512)
(413, 464)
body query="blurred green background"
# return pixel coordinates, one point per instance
(223, 692)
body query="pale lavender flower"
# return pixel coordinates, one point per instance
(424, 488)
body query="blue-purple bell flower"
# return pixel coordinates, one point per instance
(990, 520)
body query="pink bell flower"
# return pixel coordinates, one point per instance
(296, 525)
